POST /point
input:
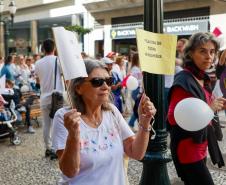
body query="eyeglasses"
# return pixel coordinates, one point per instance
(98, 82)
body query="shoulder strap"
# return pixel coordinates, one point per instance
(55, 73)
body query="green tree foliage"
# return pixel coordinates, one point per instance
(78, 29)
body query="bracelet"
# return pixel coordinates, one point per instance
(150, 127)
(145, 129)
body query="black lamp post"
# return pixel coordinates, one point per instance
(156, 158)
(6, 21)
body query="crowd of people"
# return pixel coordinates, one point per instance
(91, 137)
(18, 72)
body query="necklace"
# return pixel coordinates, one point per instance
(97, 123)
(92, 121)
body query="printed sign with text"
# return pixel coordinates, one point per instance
(157, 52)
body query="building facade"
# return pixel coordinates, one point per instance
(113, 22)
(35, 18)
(116, 21)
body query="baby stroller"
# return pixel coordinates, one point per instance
(7, 119)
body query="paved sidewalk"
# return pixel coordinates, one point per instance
(26, 164)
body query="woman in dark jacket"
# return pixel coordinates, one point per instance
(189, 149)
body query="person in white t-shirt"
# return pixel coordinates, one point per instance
(45, 70)
(91, 138)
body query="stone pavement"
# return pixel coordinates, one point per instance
(26, 164)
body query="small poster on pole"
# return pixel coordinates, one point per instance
(69, 54)
(157, 52)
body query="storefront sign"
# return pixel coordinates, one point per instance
(123, 33)
(185, 28)
(176, 28)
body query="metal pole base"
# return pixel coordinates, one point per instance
(155, 169)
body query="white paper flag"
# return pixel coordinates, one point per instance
(2, 82)
(69, 54)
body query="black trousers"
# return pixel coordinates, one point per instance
(27, 104)
(27, 116)
(196, 173)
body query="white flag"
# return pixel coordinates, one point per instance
(69, 54)
(2, 82)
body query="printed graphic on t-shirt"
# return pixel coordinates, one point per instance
(98, 143)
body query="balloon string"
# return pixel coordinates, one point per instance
(153, 118)
(216, 116)
(152, 129)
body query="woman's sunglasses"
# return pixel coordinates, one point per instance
(98, 82)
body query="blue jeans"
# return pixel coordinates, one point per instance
(118, 102)
(133, 118)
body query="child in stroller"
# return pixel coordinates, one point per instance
(21, 105)
(7, 119)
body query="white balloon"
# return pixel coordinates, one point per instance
(132, 83)
(193, 114)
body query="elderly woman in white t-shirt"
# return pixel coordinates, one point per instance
(91, 138)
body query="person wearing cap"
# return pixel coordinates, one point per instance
(111, 55)
(116, 87)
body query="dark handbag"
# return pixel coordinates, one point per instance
(57, 97)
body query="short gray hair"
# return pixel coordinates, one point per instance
(197, 40)
(76, 99)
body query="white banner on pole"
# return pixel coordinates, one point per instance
(69, 54)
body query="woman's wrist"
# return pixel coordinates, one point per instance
(145, 127)
(73, 137)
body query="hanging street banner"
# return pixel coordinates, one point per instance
(157, 52)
